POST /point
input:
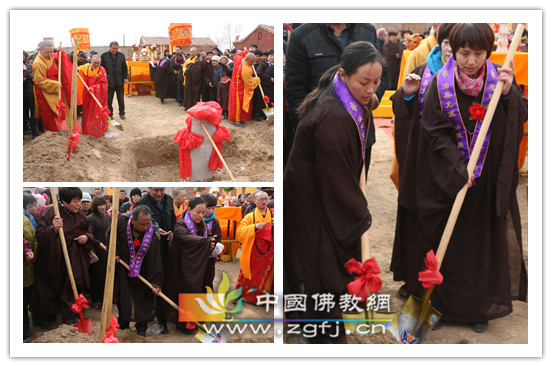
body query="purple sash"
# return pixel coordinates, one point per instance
(191, 225)
(137, 258)
(426, 79)
(161, 62)
(449, 105)
(354, 109)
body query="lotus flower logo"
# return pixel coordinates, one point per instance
(211, 306)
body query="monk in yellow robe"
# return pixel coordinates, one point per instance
(45, 77)
(242, 86)
(256, 234)
(94, 115)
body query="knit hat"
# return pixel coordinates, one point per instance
(135, 191)
(381, 32)
(86, 197)
(215, 58)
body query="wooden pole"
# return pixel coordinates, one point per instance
(107, 304)
(218, 152)
(64, 246)
(474, 157)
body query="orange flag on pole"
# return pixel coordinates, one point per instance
(82, 36)
(180, 34)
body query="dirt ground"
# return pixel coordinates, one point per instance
(382, 201)
(69, 334)
(145, 149)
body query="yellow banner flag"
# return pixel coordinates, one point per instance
(180, 34)
(82, 37)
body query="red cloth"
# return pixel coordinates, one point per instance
(236, 91)
(187, 140)
(46, 114)
(430, 276)
(94, 117)
(262, 263)
(368, 281)
(218, 137)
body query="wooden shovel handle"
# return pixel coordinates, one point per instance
(260, 87)
(169, 301)
(476, 151)
(88, 89)
(59, 70)
(364, 242)
(218, 152)
(110, 270)
(64, 245)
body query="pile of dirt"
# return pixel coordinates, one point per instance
(145, 149)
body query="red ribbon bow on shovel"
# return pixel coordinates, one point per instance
(368, 281)
(266, 99)
(73, 140)
(84, 325)
(79, 304)
(430, 275)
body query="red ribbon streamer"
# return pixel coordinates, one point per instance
(367, 282)
(266, 99)
(109, 336)
(73, 141)
(430, 275)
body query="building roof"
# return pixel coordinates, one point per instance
(268, 28)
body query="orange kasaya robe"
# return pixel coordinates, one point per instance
(257, 258)
(45, 77)
(94, 117)
(242, 86)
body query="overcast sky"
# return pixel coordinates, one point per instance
(123, 26)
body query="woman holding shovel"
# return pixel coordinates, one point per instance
(53, 294)
(483, 270)
(189, 266)
(325, 210)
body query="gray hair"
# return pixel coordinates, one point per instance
(46, 43)
(113, 43)
(97, 57)
(177, 190)
(256, 194)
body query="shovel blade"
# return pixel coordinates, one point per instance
(410, 330)
(85, 326)
(203, 336)
(268, 111)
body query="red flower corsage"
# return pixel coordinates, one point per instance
(136, 243)
(477, 112)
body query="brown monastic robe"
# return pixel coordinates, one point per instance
(325, 211)
(483, 268)
(135, 300)
(189, 267)
(192, 86)
(53, 292)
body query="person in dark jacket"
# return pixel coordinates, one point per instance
(162, 214)
(115, 66)
(265, 71)
(212, 76)
(314, 48)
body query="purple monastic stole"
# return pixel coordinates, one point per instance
(354, 109)
(449, 105)
(191, 225)
(426, 79)
(137, 258)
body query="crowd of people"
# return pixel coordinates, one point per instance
(171, 241)
(210, 75)
(330, 133)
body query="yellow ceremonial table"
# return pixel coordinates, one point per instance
(138, 76)
(229, 218)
